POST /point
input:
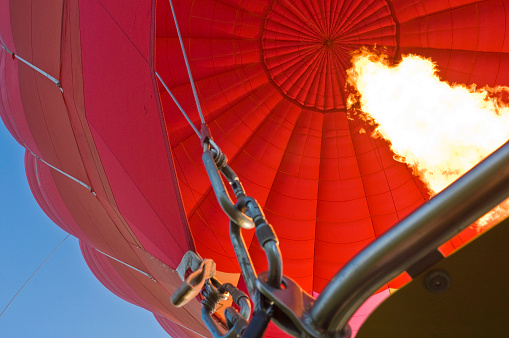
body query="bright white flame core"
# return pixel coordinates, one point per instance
(440, 130)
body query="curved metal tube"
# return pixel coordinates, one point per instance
(435, 222)
(239, 298)
(275, 264)
(212, 327)
(245, 308)
(237, 320)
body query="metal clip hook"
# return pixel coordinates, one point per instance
(233, 212)
(194, 283)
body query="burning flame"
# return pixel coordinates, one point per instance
(441, 130)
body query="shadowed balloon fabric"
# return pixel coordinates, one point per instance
(270, 76)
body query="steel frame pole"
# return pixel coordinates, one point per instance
(439, 219)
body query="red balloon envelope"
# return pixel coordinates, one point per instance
(111, 159)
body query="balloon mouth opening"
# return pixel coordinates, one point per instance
(306, 59)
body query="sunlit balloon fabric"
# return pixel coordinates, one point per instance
(270, 76)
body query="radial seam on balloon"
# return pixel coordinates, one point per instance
(382, 169)
(271, 112)
(231, 104)
(199, 202)
(90, 147)
(452, 8)
(375, 150)
(99, 229)
(123, 32)
(297, 57)
(71, 99)
(325, 22)
(72, 128)
(196, 212)
(294, 101)
(288, 36)
(353, 24)
(327, 100)
(254, 243)
(331, 80)
(309, 46)
(398, 28)
(289, 76)
(339, 62)
(340, 16)
(368, 239)
(352, 20)
(330, 12)
(423, 52)
(379, 32)
(312, 12)
(141, 194)
(285, 151)
(214, 249)
(315, 80)
(247, 96)
(315, 240)
(167, 146)
(504, 40)
(234, 7)
(183, 177)
(302, 14)
(213, 115)
(51, 135)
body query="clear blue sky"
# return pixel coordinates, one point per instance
(63, 299)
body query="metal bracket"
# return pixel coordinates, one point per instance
(292, 302)
(194, 283)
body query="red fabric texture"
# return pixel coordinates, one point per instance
(271, 86)
(270, 75)
(53, 125)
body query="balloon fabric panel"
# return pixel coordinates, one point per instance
(315, 180)
(270, 77)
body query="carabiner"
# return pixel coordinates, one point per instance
(222, 195)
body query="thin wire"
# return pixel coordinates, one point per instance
(179, 106)
(187, 65)
(129, 266)
(40, 71)
(33, 274)
(37, 69)
(4, 47)
(37, 158)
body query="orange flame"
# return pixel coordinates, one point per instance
(440, 130)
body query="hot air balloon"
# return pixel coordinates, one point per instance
(87, 86)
